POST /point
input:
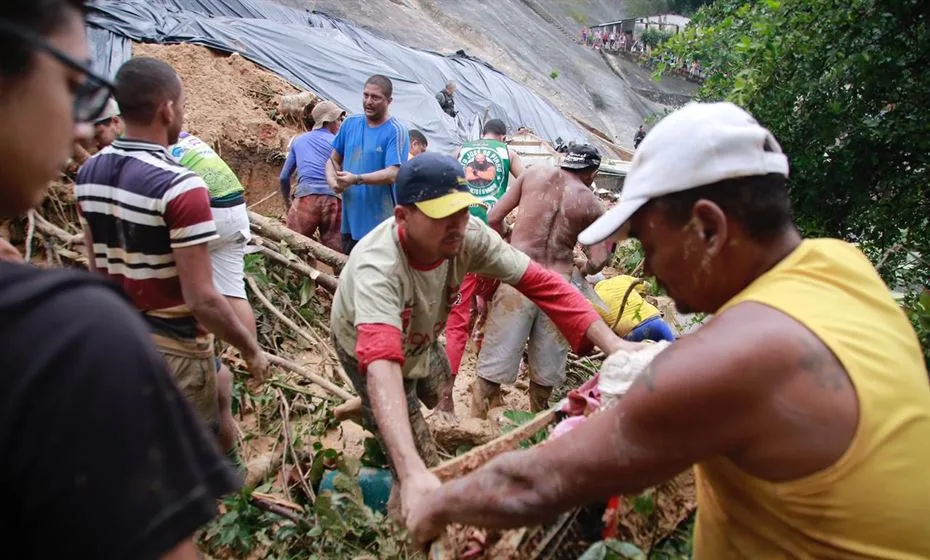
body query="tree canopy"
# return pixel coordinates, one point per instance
(843, 85)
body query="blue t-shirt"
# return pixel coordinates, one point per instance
(308, 155)
(366, 149)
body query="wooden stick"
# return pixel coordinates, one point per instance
(310, 336)
(278, 313)
(274, 508)
(464, 464)
(48, 228)
(30, 234)
(291, 366)
(349, 410)
(266, 199)
(277, 231)
(289, 446)
(328, 282)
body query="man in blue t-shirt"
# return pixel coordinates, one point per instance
(313, 205)
(367, 153)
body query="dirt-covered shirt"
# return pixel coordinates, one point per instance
(379, 285)
(388, 308)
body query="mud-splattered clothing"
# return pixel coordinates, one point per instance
(317, 211)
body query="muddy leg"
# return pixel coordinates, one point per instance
(539, 397)
(485, 395)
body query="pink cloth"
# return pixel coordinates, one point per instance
(566, 426)
(584, 400)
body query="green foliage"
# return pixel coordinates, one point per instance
(515, 419)
(842, 85)
(338, 525)
(653, 37)
(613, 550)
(554, 74)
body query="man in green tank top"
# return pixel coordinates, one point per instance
(489, 163)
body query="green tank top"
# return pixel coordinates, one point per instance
(487, 171)
(199, 157)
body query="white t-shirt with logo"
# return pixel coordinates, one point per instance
(379, 285)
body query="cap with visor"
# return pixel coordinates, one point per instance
(700, 144)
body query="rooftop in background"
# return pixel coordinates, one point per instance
(661, 20)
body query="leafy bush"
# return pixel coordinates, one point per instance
(654, 37)
(842, 84)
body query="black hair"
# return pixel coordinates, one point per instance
(759, 203)
(417, 136)
(383, 82)
(142, 85)
(495, 126)
(40, 17)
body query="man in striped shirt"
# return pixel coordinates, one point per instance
(147, 222)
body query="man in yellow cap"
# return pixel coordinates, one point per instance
(394, 297)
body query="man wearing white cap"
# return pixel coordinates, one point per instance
(314, 205)
(109, 126)
(803, 404)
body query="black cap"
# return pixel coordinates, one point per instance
(581, 156)
(435, 183)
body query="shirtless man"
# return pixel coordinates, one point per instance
(556, 204)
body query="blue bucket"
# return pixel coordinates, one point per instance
(376, 486)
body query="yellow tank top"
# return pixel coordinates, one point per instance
(874, 502)
(637, 309)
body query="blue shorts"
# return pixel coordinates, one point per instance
(653, 328)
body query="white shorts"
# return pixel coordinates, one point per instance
(227, 254)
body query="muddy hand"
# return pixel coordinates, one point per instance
(419, 506)
(258, 366)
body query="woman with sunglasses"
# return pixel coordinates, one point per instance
(99, 448)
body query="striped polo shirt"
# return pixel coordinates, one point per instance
(139, 205)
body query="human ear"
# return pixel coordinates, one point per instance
(711, 225)
(400, 215)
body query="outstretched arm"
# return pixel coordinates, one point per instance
(694, 401)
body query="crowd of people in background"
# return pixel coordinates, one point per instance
(611, 40)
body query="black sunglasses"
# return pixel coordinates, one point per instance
(91, 97)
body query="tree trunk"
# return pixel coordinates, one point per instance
(277, 231)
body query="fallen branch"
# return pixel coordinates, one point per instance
(30, 233)
(266, 199)
(280, 314)
(277, 231)
(50, 229)
(291, 366)
(289, 446)
(464, 464)
(310, 336)
(328, 282)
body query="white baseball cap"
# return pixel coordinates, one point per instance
(699, 144)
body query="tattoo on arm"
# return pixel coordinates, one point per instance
(827, 373)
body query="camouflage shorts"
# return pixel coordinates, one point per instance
(427, 390)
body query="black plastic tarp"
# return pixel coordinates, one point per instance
(330, 57)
